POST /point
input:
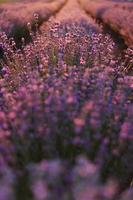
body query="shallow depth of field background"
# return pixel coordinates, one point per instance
(66, 100)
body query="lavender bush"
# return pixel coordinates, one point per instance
(66, 116)
(14, 23)
(116, 14)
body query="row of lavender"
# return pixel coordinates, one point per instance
(66, 116)
(14, 16)
(116, 14)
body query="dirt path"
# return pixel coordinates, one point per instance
(73, 12)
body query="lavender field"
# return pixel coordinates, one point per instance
(66, 104)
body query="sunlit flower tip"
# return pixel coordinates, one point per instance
(47, 101)
(82, 61)
(2, 115)
(34, 87)
(29, 25)
(1, 82)
(79, 122)
(89, 106)
(40, 190)
(36, 16)
(66, 75)
(23, 90)
(70, 100)
(110, 189)
(109, 70)
(112, 62)
(12, 115)
(4, 134)
(86, 168)
(125, 130)
(131, 86)
(23, 40)
(116, 117)
(120, 80)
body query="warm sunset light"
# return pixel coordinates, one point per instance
(66, 100)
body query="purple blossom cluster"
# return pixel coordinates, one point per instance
(66, 116)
